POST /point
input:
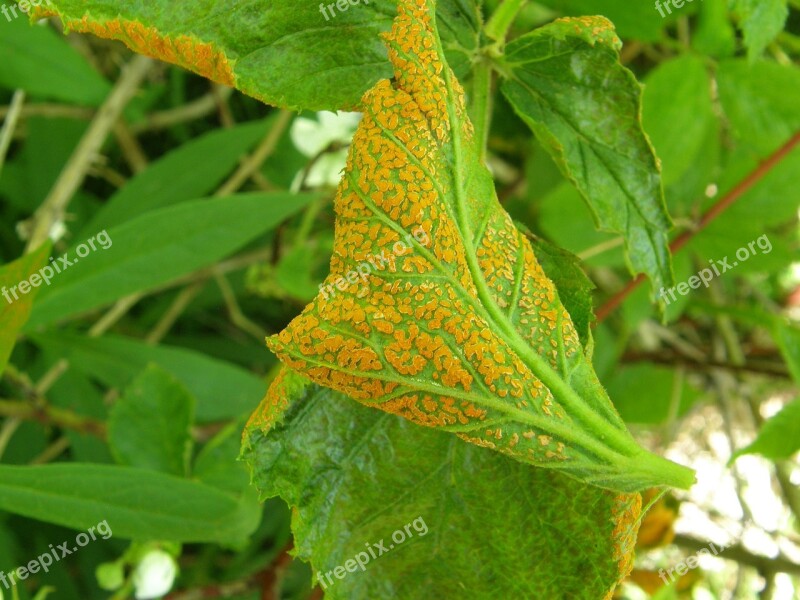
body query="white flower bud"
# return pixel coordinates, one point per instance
(154, 575)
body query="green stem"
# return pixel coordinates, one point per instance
(481, 105)
(497, 27)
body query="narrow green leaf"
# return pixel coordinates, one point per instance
(779, 437)
(760, 21)
(283, 52)
(353, 476)
(566, 82)
(138, 504)
(191, 171)
(160, 246)
(223, 390)
(150, 425)
(39, 61)
(15, 306)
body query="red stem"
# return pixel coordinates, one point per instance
(721, 206)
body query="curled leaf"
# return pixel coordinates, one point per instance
(436, 308)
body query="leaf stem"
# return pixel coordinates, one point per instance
(481, 105)
(502, 18)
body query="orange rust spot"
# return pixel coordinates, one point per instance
(184, 50)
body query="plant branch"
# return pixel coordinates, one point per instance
(51, 415)
(71, 178)
(739, 554)
(715, 211)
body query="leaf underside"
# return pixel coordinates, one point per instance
(436, 308)
(282, 52)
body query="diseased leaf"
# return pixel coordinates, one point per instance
(566, 82)
(436, 308)
(573, 285)
(150, 425)
(282, 52)
(15, 306)
(340, 465)
(779, 437)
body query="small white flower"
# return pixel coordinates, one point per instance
(312, 137)
(154, 575)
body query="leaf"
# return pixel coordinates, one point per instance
(138, 504)
(39, 61)
(566, 82)
(779, 437)
(115, 361)
(677, 97)
(282, 52)
(150, 425)
(668, 395)
(191, 171)
(216, 463)
(146, 252)
(760, 102)
(637, 20)
(353, 476)
(761, 21)
(15, 307)
(436, 308)
(573, 285)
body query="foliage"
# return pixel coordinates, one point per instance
(524, 252)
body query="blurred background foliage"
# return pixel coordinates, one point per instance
(127, 392)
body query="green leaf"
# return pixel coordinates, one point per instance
(760, 21)
(353, 476)
(223, 391)
(15, 306)
(39, 61)
(150, 425)
(160, 246)
(637, 20)
(677, 97)
(187, 173)
(436, 308)
(138, 504)
(282, 52)
(760, 102)
(566, 82)
(714, 34)
(217, 464)
(665, 389)
(779, 437)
